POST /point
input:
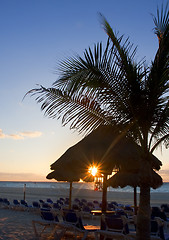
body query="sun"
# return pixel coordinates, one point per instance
(93, 170)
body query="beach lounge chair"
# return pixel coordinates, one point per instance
(157, 232)
(56, 206)
(41, 201)
(35, 205)
(16, 205)
(46, 206)
(76, 200)
(60, 202)
(157, 212)
(66, 202)
(110, 206)
(24, 203)
(128, 210)
(73, 222)
(165, 208)
(75, 207)
(91, 205)
(81, 204)
(4, 203)
(154, 228)
(48, 221)
(1, 202)
(48, 200)
(84, 201)
(113, 228)
(86, 212)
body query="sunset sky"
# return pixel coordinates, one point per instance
(35, 35)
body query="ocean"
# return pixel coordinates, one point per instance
(60, 185)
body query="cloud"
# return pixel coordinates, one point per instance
(21, 135)
(2, 135)
(31, 134)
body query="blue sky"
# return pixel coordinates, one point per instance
(35, 35)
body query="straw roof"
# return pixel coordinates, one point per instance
(104, 147)
(133, 179)
(65, 174)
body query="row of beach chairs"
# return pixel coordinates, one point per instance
(113, 226)
(80, 207)
(83, 205)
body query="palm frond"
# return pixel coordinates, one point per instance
(161, 22)
(106, 86)
(81, 111)
(159, 133)
(124, 48)
(164, 140)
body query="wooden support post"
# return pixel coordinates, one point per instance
(135, 200)
(70, 196)
(24, 192)
(104, 195)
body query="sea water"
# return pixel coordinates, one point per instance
(81, 185)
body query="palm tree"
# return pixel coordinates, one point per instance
(107, 87)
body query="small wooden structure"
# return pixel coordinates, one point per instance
(98, 183)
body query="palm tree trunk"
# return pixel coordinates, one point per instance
(143, 216)
(104, 202)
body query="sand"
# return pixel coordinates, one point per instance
(34, 194)
(17, 225)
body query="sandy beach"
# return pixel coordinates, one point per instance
(17, 225)
(34, 194)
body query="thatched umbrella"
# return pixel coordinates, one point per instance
(132, 178)
(106, 148)
(123, 179)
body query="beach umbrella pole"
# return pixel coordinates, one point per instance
(24, 192)
(70, 196)
(135, 200)
(104, 195)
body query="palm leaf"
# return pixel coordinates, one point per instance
(161, 22)
(77, 110)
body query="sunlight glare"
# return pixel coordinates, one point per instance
(93, 170)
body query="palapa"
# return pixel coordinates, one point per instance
(106, 148)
